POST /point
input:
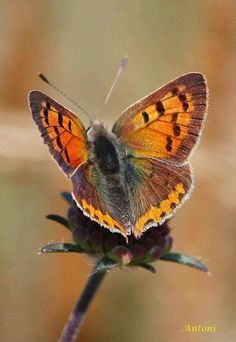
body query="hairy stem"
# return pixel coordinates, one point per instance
(75, 320)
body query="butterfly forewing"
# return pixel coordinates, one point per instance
(61, 130)
(166, 124)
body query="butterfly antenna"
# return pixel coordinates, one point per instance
(45, 79)
(121, 67)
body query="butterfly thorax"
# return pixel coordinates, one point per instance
(106, 152)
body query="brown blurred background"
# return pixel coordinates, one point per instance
(79, 44)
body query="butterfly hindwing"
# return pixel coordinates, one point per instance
(90, 195)
(167, 123)
(157, 189)
(61, 130)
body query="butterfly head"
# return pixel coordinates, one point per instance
(96, 128)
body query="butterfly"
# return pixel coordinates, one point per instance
(136, 175)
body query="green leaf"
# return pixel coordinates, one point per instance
(148, 267)
(184, 260)
(59, 219)
(61, 248)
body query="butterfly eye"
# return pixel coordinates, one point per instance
(90, 133)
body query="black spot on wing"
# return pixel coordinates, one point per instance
(169, 142)
(145, 117)
(69, 125)
(45, 113)
(184, 101)
(176, 130)
(174, 117)
(174, 91)
(163, 214)
(160, 108)
(96, 217)
(182, 97)
(59, 144)
(56, 130)
(67, 156)
(185, 106)
(60, 119)
(116, 227)
(150, 221)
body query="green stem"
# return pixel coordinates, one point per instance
(76, 318)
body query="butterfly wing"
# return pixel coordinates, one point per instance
(159, 133)
(90, 195)
(167, 123)
(61, 130)
(66, 138)
(157, 189)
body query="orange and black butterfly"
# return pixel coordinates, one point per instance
(136, 175)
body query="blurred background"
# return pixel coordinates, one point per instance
(78, 45)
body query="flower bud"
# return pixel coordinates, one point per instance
(154, 254)
(96, 240)
(111, 242)
(81, 218)
(121, 255)
(80, 236)
(148, 243)
(168, 244)
(164, 229)
(138, 252)
(72, 217)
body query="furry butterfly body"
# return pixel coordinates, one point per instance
(135, 176)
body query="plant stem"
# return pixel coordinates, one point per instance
(75, 320)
